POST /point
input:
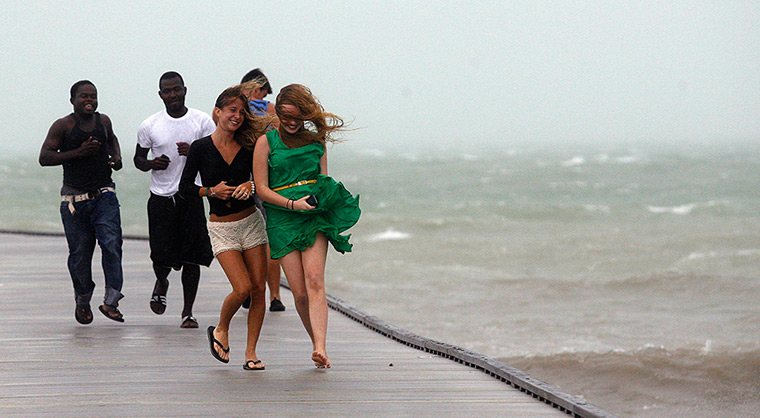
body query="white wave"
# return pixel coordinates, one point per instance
(389, 235)
(675, 210)
(687, 208)
(575, 161)
(708, 347)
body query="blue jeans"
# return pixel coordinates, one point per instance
(97, 219)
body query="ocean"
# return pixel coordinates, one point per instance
(628, 275)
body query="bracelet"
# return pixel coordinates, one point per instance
(208, 189)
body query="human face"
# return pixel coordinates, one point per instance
(231, 116)
(85, 100)
(173, 94)
(290, 119)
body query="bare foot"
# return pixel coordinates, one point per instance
(320, 359)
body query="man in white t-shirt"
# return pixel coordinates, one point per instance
(176, 223)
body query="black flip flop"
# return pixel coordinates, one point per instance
(111, 312)
(212, 341)
(255, 362)
(83, 314)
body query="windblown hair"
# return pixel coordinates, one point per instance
(253, 126)
(257, 74)
(324, 125)
(78, 84)
(256, 83)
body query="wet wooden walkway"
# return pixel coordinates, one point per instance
(50, 366)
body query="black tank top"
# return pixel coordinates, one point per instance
(90, 173)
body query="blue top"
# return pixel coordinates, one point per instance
(258, 107)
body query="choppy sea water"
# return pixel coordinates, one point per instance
(628, 276)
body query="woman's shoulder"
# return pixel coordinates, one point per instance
(202, 144)
(273, 138)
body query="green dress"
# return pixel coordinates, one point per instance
(337, 210)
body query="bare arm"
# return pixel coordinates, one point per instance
(51, 154)
(114, 150)
(261, 173)
(144, 164)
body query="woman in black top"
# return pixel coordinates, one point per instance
(236, 228)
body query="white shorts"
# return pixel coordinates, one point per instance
(241, 235)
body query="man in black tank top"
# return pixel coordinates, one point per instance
(83, 142)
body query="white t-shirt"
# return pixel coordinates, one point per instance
(160, 134)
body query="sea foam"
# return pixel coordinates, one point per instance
(389, 235)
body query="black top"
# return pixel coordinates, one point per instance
(88, 173)
(204, 158)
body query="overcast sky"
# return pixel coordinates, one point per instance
(412, 75)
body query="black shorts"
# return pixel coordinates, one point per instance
(177, 230)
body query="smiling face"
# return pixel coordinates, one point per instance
(290, 119)
(85, 100)
(172, 92)
(231, 116)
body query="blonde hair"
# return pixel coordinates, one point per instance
(253, 84)
(253, 126)
(326, 125)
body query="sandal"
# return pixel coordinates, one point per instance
(189, 322)
(111, 312)
(83, 314)
(212, 342)
(255, 362)
(158, 304)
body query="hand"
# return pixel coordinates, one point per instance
(89, 147)
(115, 162)
(160, 163)
(243, 191)
(301, 204)
(182, 148)
(223, 191)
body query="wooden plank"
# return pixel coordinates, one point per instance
(148, 366)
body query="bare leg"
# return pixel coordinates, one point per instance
(293, 268)
(256, 263)
(273, 277)
(313, 259)
(235, 268)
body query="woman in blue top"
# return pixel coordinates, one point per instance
(256, 87)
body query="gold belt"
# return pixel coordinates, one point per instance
(298, 183)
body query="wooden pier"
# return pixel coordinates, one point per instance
(50, 366)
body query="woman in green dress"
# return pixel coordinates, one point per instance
(306, 208)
